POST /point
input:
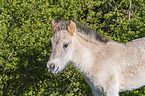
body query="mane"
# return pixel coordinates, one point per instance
(63, 25)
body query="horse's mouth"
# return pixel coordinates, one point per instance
(52, 68)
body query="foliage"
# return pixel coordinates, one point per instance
(25, 35)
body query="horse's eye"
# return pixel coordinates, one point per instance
(65, 45)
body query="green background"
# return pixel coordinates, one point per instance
(25, 33)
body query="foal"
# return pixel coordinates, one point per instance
(110, 67)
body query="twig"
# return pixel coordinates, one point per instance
(110, 5)
(115, 6)
(129, 13)
(10, 54)
(129, 10)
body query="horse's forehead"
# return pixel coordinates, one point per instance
(59, 35)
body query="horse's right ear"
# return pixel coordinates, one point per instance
(72, 28)
(53, 26)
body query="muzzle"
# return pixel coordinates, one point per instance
(52, 68)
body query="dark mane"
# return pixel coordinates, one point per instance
(91, 32)
(63, 25)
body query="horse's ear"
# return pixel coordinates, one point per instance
(72, 28)
(53, 26)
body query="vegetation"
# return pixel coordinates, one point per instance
(25, 34)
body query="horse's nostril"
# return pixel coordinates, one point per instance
(52, 66)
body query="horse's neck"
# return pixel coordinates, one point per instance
(83, 52)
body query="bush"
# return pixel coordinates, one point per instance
(25, 35)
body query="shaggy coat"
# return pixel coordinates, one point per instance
(109, 67)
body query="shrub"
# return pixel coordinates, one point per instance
(25, 35)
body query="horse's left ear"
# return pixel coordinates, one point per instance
(53, 26)
(72, 28)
